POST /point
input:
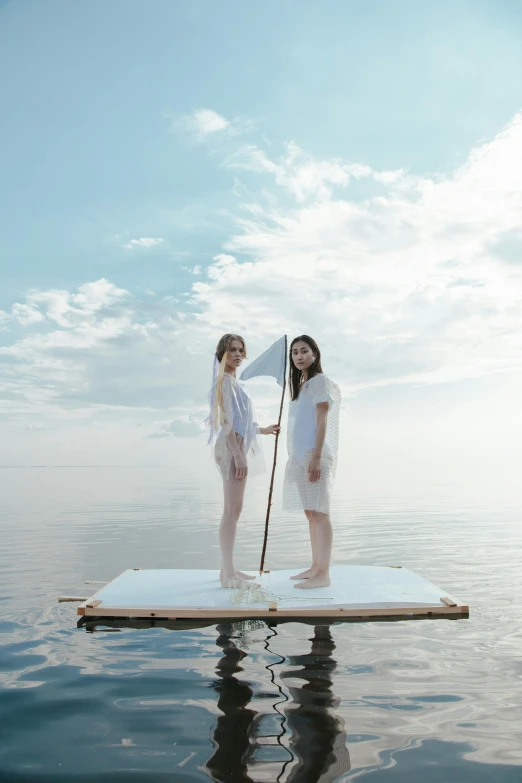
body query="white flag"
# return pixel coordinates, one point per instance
(271, 362)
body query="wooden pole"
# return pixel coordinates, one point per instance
(265, 540)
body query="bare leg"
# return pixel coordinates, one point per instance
(313, 540)
(323, 542)
(234, 492)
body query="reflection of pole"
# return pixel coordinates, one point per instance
(268, 667)
(265, 540)
(274, 768)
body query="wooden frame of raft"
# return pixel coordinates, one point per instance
(389, 592)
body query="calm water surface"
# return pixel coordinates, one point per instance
(417, 701)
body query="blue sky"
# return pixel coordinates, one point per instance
(174, 170)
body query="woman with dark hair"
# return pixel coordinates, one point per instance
(313, 433)
(236, 450)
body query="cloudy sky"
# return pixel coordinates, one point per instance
(174, 170)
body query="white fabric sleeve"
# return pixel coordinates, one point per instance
(321, 389)
(228, 405)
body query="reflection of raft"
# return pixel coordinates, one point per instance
(355, 592)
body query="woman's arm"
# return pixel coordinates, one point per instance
(233, 444)
(272, 429)
(239, 459)
(314, 468)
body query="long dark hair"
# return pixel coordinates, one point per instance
(296, 375)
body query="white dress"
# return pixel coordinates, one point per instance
(299, 492)
(239, 416)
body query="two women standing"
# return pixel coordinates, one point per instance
(313, 426)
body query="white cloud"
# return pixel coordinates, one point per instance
(185, 426)
(418, 283)
(203, 123)
(88, 344)
(403, 287)
(192, 270)
(146, 242)
(297, 172)
(66, 309)
(26, 314)
(206, 124)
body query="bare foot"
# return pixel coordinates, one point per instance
(237, 575)
(305, 574)
(314, 581)
(235, 579)
(242, 575)
(231, 580)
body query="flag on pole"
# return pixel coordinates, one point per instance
(272, 362)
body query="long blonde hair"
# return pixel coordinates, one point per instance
(218, 406)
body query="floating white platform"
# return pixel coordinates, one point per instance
(355, 591)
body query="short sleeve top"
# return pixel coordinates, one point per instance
(302, 418)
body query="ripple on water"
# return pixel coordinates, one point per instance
(403, 701)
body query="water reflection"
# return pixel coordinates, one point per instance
(306, 743)
(283, 728)
(233, 729)
(422, 701)
(318, 735)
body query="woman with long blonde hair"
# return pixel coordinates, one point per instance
(236, 450)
